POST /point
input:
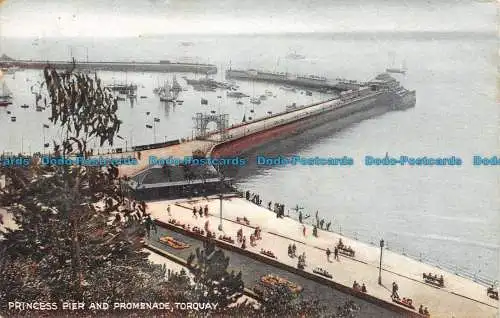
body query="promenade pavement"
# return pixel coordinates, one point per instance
(459, 298)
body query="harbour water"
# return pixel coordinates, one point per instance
(449, 215)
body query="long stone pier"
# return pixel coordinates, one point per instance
(238, 138)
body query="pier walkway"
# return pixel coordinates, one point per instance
(176, 151)
(233, 133)
(459, 298)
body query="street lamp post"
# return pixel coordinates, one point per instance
(153, 128)
(221, 176)
(220, 209)
(155, 120)
(124, 139)
(43, 130)
(380, 267)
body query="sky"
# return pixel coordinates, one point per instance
(112, 18)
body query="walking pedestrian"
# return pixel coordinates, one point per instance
(194, 213)
(148, 223)
(328, 226)
(206, 210)
(304, 230)
(200, 212)
(155, 228)
(336, 253)
(168, 210)
(294, 249)
(395, 290)
(321, 224)
(328, 252)
(300, 216)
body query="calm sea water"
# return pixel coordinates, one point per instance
(445, 214)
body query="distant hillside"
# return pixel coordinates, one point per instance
(6, 58)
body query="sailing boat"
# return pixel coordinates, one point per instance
(165, 93)
(5, 95)
(254, 100)
(393, 69)
(295, 56)
(158, 89)
(176, 87)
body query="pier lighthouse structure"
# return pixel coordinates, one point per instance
(202, 120)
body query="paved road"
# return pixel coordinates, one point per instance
(252, 270)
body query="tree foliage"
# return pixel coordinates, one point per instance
(74, 237)
(82, 107)
(213, 283)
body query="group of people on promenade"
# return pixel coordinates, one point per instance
(321, 224)
(423, 311)
(150, 225)
(278, 208)
(434, 279)
(335, 254)
(254, 197)
(357, 287)
(256, 235)
(408, 302)
(201, 211)
(492, 292)
(301, 264)
(241, 238)
(292, 250)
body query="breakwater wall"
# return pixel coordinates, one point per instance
(301, 81)
(115, 66)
